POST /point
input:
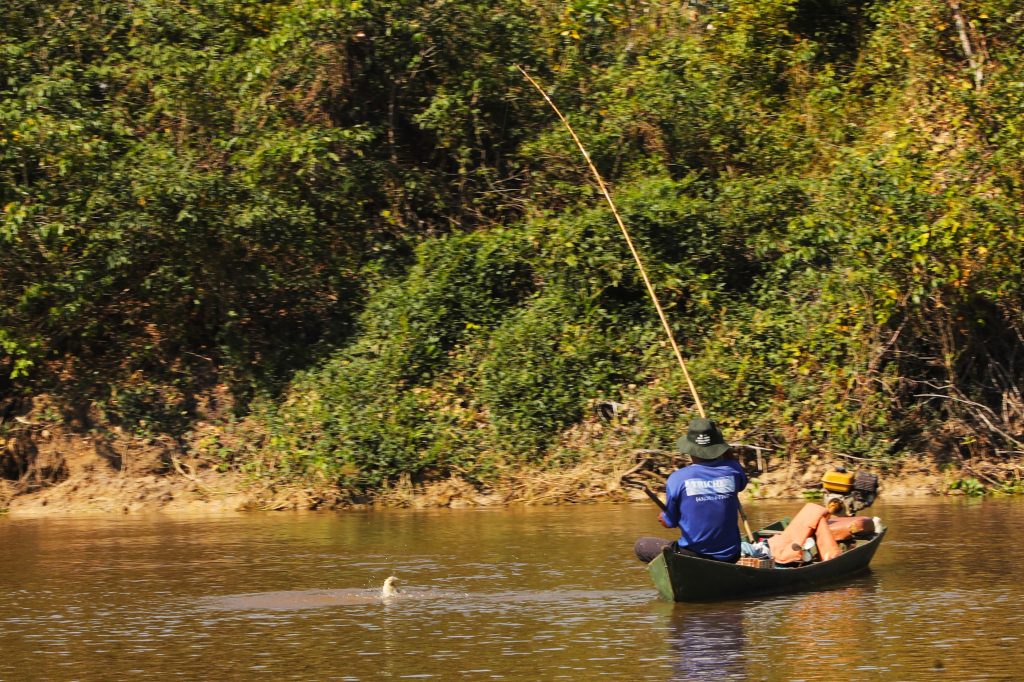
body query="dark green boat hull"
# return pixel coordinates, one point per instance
(691, 579)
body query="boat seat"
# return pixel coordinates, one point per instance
(774, 529)
(768, 532)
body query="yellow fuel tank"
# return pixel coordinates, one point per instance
(838, 482)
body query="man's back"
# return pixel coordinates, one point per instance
(703, 503)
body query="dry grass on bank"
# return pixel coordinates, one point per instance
(55, 469)
(599, 479)
(209, 491)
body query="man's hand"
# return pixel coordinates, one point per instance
(661, 520)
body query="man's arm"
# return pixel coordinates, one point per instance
(740, 475)
(670, 517)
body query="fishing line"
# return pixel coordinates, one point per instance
(643, 273)
(629, 242)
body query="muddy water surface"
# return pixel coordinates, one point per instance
(535, 594)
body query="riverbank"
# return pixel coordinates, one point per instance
(78, 474)
(55, 465)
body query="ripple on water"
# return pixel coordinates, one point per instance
(417, 597)
(237, 600)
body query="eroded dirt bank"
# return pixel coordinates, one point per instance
(87, 474)
(52, 469)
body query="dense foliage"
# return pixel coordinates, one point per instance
(359, 214)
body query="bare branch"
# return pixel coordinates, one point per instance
(973, 60)
(979, 415)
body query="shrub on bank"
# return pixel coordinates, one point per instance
(362, 212)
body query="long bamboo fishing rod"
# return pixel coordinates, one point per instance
(629, 242)
(643, 273)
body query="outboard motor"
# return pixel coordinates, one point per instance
(847, 493)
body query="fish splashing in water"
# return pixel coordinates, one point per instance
(389, 590)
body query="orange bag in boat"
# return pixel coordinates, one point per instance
(811, 520)
(845, 527)
(803, 526)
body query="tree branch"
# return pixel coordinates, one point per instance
(974, 61)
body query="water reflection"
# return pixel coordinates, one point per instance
(724, 641)
(829, 625)
(708, 642)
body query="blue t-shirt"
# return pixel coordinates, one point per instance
(703, 503)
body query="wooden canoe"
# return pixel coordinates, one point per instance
(692, 579)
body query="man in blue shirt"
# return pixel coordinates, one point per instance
(702, 499)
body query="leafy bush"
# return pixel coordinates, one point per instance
(366, 415)
(362, 212)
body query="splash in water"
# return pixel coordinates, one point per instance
(389, 590)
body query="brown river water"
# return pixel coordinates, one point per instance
(521, 594)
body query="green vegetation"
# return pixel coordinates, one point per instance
(971, 487)
(362, 220)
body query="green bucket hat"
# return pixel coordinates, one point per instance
(703, 440)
